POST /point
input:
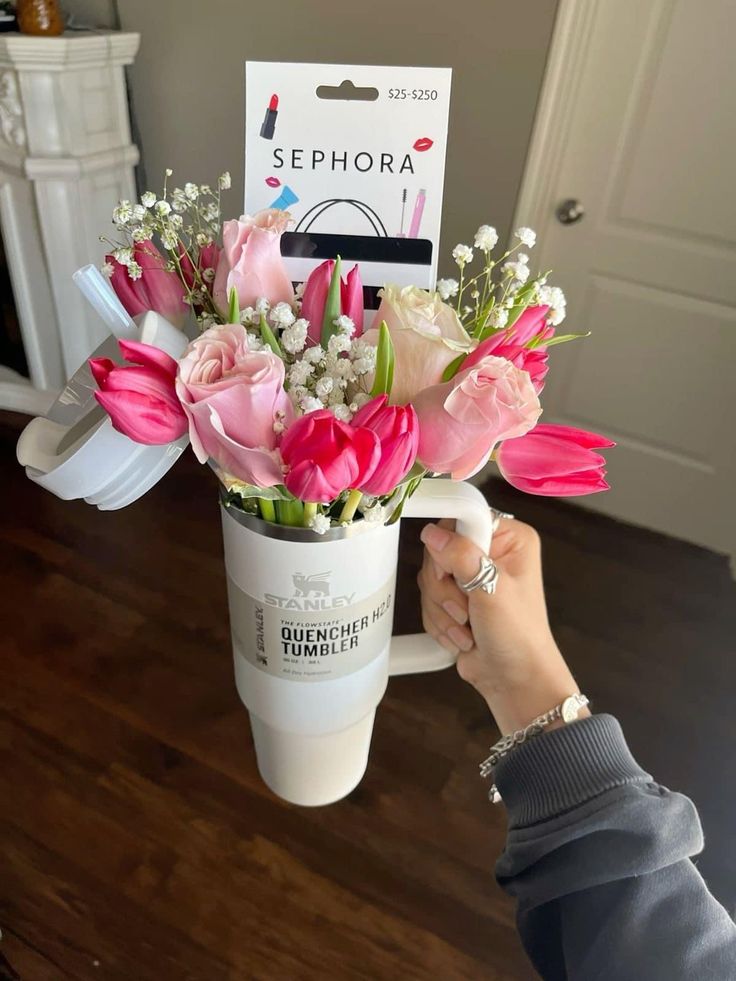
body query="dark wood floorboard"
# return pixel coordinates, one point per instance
(138, 843)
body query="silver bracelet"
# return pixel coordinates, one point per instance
(568, 711)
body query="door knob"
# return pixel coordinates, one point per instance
(570, 211)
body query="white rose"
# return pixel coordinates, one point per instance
(426, 334)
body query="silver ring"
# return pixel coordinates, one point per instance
(497, 517)
(486, 577)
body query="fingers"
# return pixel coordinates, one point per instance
(443, 590)
(454, 554)
(444, 609)
(439, 572)
(445, 628)
(516, 546)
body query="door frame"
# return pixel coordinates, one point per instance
(571, 33)
(573, 27)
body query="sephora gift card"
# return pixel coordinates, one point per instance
(356, 154)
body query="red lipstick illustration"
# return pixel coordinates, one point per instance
(269, 120)
(422, 144)
(273, 182)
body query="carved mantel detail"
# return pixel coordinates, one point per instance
(12, 129)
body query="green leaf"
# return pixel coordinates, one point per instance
(385, 358)
(246, 491)
(523, 299)
(453, 367)
(268, 337)
(406, 489)
(333, 305)
(418, 470)
(561, 339)
(233, 313)
(490, 332)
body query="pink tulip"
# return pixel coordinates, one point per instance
(251, 261)
(157, 288)
(351, 295)
(461, 421)
(140, 400)
(554, 461)
(187, 268)
(207, 259)
(511, 344)
(315, 297)
(236, 405)
(326, 456)
(397, 428)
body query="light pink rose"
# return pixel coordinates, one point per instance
(251, 260)
(462, 420)
(235, 403)
(426, 334)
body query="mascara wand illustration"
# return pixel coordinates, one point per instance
(403, 211)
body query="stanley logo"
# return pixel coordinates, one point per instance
(311, 594)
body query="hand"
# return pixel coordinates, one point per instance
(504, 643)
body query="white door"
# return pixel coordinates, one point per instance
(638, 123)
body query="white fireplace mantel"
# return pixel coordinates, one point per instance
(66, 158)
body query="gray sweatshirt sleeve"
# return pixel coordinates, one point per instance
(599, 858)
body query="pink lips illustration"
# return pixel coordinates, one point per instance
(423, 143)
(273, 182)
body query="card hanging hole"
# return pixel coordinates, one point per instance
(347, 92)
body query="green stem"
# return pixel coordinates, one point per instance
(310, 512)
(350, 506)
(268, 511)
(290, 513)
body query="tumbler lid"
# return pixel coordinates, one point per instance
(74, 452)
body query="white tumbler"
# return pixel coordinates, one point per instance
(311, 619)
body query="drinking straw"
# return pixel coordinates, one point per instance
(98, 292)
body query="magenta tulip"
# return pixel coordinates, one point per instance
(351, 295)
(314, 298)
(461, 421)
(207, 259)
(140, 400)
(157, 288)
(397, 428)
(511, 344)
(325, 456)
(251, 261)
(555, 461)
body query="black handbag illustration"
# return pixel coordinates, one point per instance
(383, 258)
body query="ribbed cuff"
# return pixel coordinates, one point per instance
(559, 770)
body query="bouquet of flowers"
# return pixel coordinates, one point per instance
(306, 417)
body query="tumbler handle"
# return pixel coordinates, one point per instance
(440, 498)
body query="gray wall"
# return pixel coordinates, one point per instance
(188, 81)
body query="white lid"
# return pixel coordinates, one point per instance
(74, 452)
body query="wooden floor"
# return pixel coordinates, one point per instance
(137, 842)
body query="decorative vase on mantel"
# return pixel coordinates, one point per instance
(39, 17)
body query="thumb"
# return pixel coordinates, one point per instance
(453, 553)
